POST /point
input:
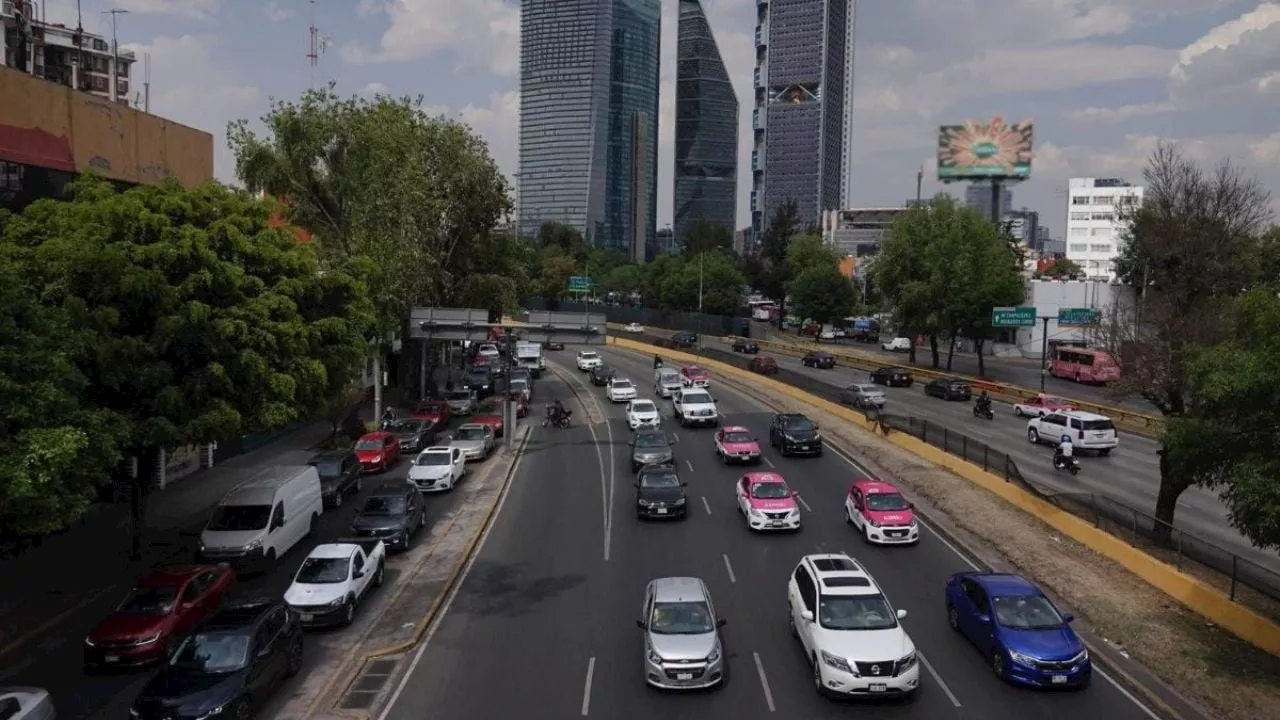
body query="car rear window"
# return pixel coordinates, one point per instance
(1097, 425)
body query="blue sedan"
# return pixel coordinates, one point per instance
(1026, 640)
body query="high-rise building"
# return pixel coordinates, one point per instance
(67, 56)
(706, 164)
(978, 197)
(1097, 210)
(589, 78)
(799, 117)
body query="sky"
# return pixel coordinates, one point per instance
(1103, 80)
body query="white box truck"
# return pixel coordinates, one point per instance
(529, 355)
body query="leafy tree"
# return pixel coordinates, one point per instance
(495, 273)
(678, 280)
(808, 251)
(624, 279)
(1061, 268)
(822, 294)
(191, 319)
(904, 276)
(555, 268)
(706, 236)
(771, 270)
(567, 239)
(976, 271)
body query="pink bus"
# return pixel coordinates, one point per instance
(1084, 365)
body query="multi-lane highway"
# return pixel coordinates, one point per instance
(543, 624)
(1130, 474)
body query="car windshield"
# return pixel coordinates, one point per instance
(886, 501)
(460, 395)
(432, 458)
(468, 434)
(240, 517)
(799, 426)
(384, 505)
(623, 384)
(855, 612)
(660, 480)
(1026, 612)
(651, 441)
(518, 385)
(694, 372)
(737, 437)
(214, 652)
(328, 468)
(149, 601)
(643, 407)
(431, 408)
(369, 445)
(681, 618)
(588, 356)
(959, 384)
(867, 389)
(480, 377)
(1052, 401)
(319, 571)
(770, 491)
(698, 398)
(409, 426)
(1097, 425)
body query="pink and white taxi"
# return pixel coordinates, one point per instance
(694, 376)
(735, 444)
(767, 502)
(877, 509)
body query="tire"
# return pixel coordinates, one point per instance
(349, 612)
(997, 665)
(1104, 452)
(408, 540)
(379, 575)
(953, 617)
(294, 659)
(337, 500)
(1033, 437)
(240, 710)
(1017, 411)
(817, 677)
(313, 525)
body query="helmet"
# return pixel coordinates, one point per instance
(1066, 439)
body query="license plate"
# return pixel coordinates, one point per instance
(111, 658)
(308, 617)
(1059, 680)
(877, 687)
(684, 676)
(662, 511)
(776, 523)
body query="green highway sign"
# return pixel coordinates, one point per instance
(580, 283)
(1078, 316)
(1006, 317)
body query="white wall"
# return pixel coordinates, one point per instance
(1050, 296)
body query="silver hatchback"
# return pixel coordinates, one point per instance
(863, 396)
(682, 649)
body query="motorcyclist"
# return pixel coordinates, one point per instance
(983, 402)
(1062, 455)
(657, 361)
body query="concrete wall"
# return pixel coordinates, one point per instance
(49, 125)
(1050, 296)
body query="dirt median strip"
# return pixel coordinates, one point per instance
(1134, 619)
(590, 406)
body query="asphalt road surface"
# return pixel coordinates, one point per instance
(543, 624)
(1130, 475)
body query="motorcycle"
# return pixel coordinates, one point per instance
(1070, 464)
(557, 420)
(984, 411)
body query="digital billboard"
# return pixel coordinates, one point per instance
(980, 150)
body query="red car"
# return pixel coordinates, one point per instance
(764, 365)
(157, 614)
(378, 451)
(694, 376)
(880, 513)
(735, 443)
(490, 413)
(437, 411)
(1042, 405)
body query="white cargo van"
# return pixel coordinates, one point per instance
(260, 519)
(529, 355)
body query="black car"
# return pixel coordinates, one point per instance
(480, 381)
(745, 346)
(553, 345)
(818, 359)
(393, 514)
(660, 493)
(414, 434)
(340, 475)
(949, 389)
(230, 665)
(794, 434)
(892, 376)
(602, 374)
(497, 365)
(518, 372)
(684, 339)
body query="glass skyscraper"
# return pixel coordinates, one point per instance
(589, 119)
(800, 83)
(706, 166)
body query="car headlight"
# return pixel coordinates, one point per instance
(1021, 658)
(148, 640)
(907, 661)
(216, 711)
(873, 523)
(836, 662)
(89, 642)
(714, 656)
(337, 602)
(252, 546)
(377, 458)
(755, 513)
(679, 502)
(655, 657)
(1081, 656)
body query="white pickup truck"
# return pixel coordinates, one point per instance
(334, 579)
(695, 406)
(529, 355)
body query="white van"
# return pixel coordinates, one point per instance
(260, 519)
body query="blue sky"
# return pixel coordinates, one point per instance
(1103, 80)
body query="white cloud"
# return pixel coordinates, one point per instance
(374, 89)
(498, 122)
(484, 33)
(198, 9)
(276, 12)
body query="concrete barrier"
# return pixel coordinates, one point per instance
(1187, 590)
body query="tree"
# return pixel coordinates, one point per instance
(567, 239)
(706, 236)
(555, 267)
(190, 318)
(822, 294)
(1061, 268)
(678, 279)
(624, 279)
(771, 277)
(903, 275)
(495, 273)
(808, 251)
(1193, 245)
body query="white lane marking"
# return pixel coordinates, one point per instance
(732, 578)
(706, 505)
(764, 682)
(448, 601)
(689, 464)
(675, 436)
(937, 678)
(805, 504)
(586, 689)
(767, 461)
(606, 476)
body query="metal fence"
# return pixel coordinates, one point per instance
(1243, 580)
(701, 323)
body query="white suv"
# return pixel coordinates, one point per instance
(1088, 431)
(695, 406)
(849, 631)
(620, 390)
(588, 359)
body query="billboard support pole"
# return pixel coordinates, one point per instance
(996, 186)
(1044, 351)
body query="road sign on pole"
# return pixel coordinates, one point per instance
(580, 283)
(1078, 316)
(1007, 317)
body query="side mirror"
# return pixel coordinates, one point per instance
(984, 619)
(1068, 617)
(684, 484)
(755, 439)
(815, 427)
(902, 614)
(357, 574)
(911, 506)
(263, 654)
(641, 624)
(721, 622)
(806, 615)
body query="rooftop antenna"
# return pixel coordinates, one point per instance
(313, 43)
(115, 51)
(146, 82)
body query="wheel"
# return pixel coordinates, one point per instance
(349, 612)
(791, 622)
(240, 710)
(848, 516)
(379, 575)
(170, 647)
(337, 500)
(1077, 377)
(1033, 437)
(1017, 411)
(271, 555)
(1075, 470)
(817, 676)
(997, 664)
(294, 659)
(1104, 452)
(953, 617)
(312, 526)
(408, 539)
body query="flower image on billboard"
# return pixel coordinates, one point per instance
(985, 150)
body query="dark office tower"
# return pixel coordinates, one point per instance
(706, 166)
(800, 85)
(631, 170)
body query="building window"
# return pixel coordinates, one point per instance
(1078, 248)
(1108, 217)
(1078, 231)
(1080, 216)
(1103, 200)
(1080, 200)
(1100, 248)
(1100, 232)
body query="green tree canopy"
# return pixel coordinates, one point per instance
(822, 294)
(567, 239)
(706, 236)
(1061, 268)
(769, 270)
(555, 267)
(805, 252)
(672, 282)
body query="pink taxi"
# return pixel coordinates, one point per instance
(878, 510)
(694, 376)
(735, 444)
(767, 502)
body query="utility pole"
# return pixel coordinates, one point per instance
(115, 53)
(313, 44)
(1044, 351)
(919, 185)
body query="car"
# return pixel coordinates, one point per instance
(588, 359)
(527, 374)
(229, 668)
(553, 345)
(438, 412)
(158, 613)
(742, 345)
(643, 413)
(892, 376)
(601, 375)
(650, 446)
(851, 635)
(520, 389)
(26, 703)
(767, 502)
(497, 366)
(620, 390)
(692, 376)
(378, 451)
(479, 380)
(684, 339)
(695, 406)
(764, 365)
(736, 444)
(864, 396)
(898, 344)
(341, 474)
(334, 579)
(1042, 405)
(948, 388)
(393, 514)
(666, 382)
(880, 513)
(1025, 638)
(794, 434)
(414, 434)
(682, 647)
(635, 328)
(438, 468)
(488, 350)
(474, 440)
(1088, 431)
(490, 413)
(660, 493)
(818, 359)
(461, 401)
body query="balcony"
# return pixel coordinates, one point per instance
(761, 37)
(759, 79)
(757, 120)
(755, 161)
(753, 201)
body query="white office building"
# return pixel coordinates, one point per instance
(1096, 212)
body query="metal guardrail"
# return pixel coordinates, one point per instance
(1243, 581)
